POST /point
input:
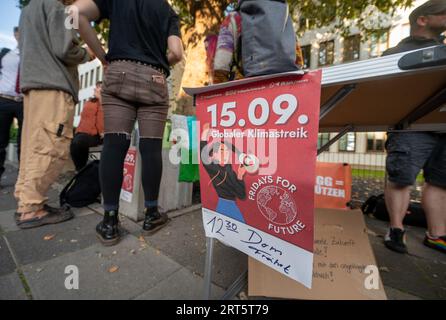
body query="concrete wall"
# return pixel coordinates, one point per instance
(173, 195)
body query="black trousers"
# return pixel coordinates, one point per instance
(9, 110)
(80, 146)
(112, 166)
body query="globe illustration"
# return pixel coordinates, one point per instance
(276, 205)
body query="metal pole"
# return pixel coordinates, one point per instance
(208, 268)
(236, 287)
(427, 107)
(336, 99)
(326, 146)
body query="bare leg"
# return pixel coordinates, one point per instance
(434, 204)
(397, 202)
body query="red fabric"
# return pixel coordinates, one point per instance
(92, 119)
(211, 47)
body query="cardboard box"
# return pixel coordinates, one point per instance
(342, 252)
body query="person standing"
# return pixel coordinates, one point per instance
(11, 101)
(50, 55)
(144, 41)
(409, 152)
(90, 131)
(227, 61)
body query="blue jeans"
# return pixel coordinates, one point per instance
(229, 208)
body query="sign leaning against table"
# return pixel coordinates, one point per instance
(258, 145)
(129, 175)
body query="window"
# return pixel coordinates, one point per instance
(348, 142)
(86, 81)
(352, 47)
(375, 142)
(326, 53)
(306, 52)
(91, 78)
(379, 42)
(303, 23)
(322, 139)
(81, 82)
(98, 74)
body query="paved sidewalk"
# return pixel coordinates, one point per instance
(168, 265)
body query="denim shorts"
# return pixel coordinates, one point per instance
(134, 92)
(409, 152)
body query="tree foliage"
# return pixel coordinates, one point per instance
(200, 17)
(310, 13)
(23, 3)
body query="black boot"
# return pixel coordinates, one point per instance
(107, 230)
(154, 221)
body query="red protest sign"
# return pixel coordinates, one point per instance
(258, 156)
(333, 189)
(129, 175)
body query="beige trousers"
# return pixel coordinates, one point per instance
(46, 136)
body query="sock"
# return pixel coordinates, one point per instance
(153, 211)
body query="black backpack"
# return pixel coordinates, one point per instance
(84, 189)
(376, 205)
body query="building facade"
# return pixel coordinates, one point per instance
(322, 48)
(89, 74)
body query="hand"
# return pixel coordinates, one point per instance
(247, 161)
(205, 132)
(241, 172)
(220, 76)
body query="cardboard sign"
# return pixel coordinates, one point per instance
(129, 175)
(258, 155)
(333, 189)
(344, 264)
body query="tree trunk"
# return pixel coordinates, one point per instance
(193, 71)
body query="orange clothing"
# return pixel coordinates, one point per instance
(92, 119)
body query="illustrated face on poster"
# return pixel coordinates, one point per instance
(258, 152)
